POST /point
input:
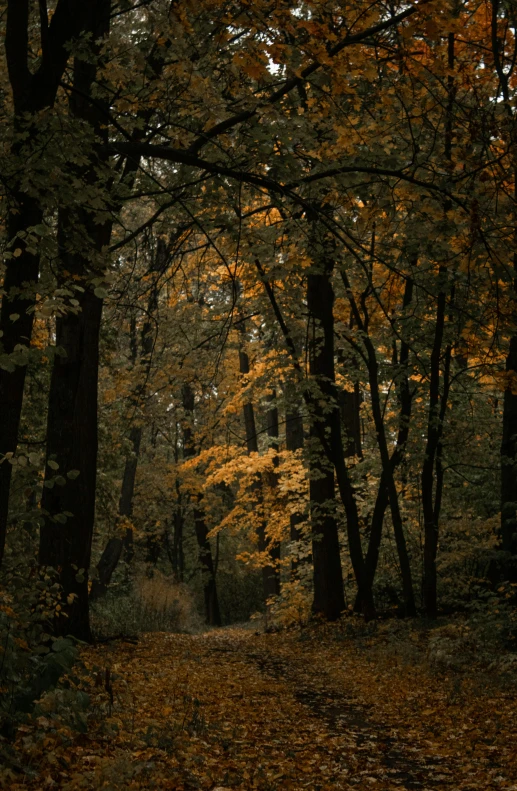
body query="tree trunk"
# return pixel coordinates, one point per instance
(509, 463)
(178, 556)
(72, 415)
(431, 501)
(272, 573)
(323, 410)
(325, 434)
(388, 478)
(212, 612)
(350, 405)
(154, 545)
(509, 437)
(270, 585)
(15, 333)
(72, 439)
(117, 546)
(294, 442)
(431, 505)
(508, 529)
(175, 552)
(31, 93)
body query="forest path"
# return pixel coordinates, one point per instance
(231, 709)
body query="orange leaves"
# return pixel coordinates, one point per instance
(507, 380)
(332, 707)
(253, 65)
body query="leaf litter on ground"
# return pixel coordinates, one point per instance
(233, 709)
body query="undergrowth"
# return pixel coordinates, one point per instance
(148, 604)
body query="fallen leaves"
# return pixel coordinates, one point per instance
(234, 710)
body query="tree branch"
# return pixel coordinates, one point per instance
(293, 82)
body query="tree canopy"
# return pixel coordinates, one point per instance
(258, 329)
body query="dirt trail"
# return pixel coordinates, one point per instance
(385, 757)
(235, 710)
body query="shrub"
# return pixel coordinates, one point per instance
(292, 607)
(149, 604)
(31, 660)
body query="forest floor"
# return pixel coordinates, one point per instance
(309, 709)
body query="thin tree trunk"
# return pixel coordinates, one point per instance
(269, 581)
(179, 554)
(509, 456)
(212, 612)
(431, 502)
(350, 405)
(272, 580)
(389, 464)
(294, 442)
(175, 552)
(509, 463)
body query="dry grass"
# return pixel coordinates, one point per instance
(154, 604)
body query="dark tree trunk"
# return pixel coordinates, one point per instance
(325, 436)
(15, 333)
(509, 438)
(178, 555)
(212, 612)
(431, 488)
(117, 546)
(72, 415)
(350, 405)
(175, 550)
(127, 491)
(31, 93)
(270, 583)
(387, 487)
(509, 464)
(106, 566)
(323, 411)
(294, 442)
(431, 503)
(153, 550)
(72, 439)
(271, 573)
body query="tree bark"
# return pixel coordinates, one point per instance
(323, 412)
(350, 405)
(212, 611)
(270, 580)
(31, 93)
(509, 463)
(389, 464)
(431, 502)
(294, 442)
(272, 573)
(72, 415)
(325, 433)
